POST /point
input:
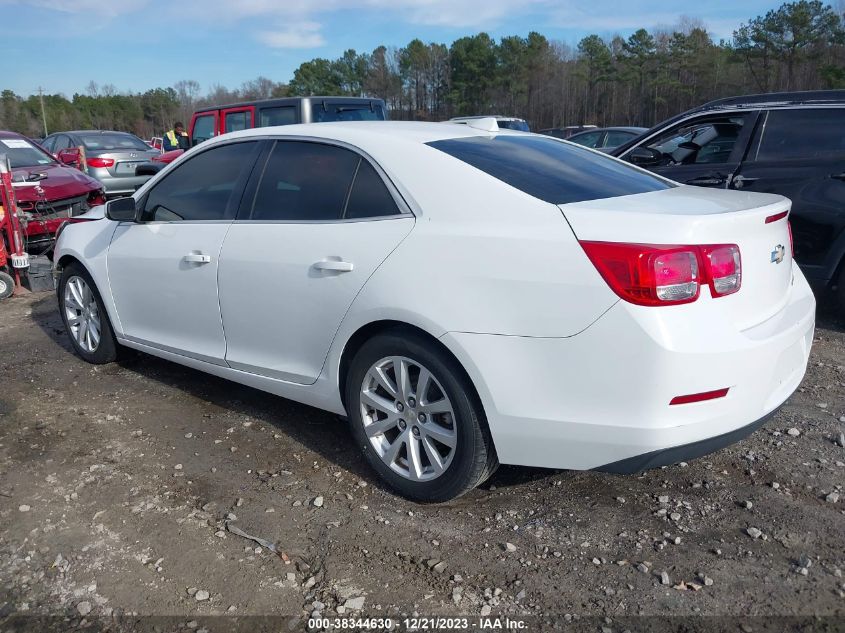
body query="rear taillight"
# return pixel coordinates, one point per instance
(100, 162)
(656, 275)
(723, 268)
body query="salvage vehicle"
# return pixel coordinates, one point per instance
(790, 143)
(110, 157)
(215, 120)
(47, 192)
(465, 296)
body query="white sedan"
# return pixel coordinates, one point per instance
(466, 297)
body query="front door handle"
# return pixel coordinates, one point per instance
(197, 258)
(335, 265)
(838, 176)
(711, 180)
(740, 181)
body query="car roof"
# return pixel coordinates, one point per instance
(8, 134)
(498, 117)
(290, 100)
(92, 132)
(617, 128)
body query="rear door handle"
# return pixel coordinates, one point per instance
(335, 265)
(197, 258)
(707, 181)
(838, 176)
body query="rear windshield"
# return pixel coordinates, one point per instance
(550, 170)
(22, 153)
(112, 142)
(516, 124)
(321, 113)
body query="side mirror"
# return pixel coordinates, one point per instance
(121, 209)
(68, 156)
(645, 157)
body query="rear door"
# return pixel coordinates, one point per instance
(318, 220)
(800, 153)
(705, 151)
(237, 119)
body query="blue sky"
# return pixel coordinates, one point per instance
(140, 44)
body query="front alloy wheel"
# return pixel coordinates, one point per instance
(82, 314)
(408, 418)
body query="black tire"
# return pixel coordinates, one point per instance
(7, 285)
(107, 349)
(474, 456)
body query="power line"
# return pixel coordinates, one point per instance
(43, 111)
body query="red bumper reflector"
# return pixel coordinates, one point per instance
(698, 397)
(776, 217)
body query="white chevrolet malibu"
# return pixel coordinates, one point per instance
(465, 297)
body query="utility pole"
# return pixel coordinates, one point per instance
(43, 112)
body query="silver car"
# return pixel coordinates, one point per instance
(111, 156)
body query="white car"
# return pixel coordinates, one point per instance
(465, 297)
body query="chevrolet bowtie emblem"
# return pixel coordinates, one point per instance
(778, 254)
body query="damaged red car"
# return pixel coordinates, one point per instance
(48, 193)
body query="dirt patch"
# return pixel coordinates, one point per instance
(116, 484)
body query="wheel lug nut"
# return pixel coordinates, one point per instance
(412, 403)
(400, 406)
(402, 424)
(421, 417)
(415, 431)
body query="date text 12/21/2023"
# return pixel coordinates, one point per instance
(420, 623)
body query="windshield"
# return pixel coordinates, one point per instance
(101, 142)
(514, 124)
(548, 169)
(346, 112)
(22, 153)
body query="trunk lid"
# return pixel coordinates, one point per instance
(697, 216)
(125, 162)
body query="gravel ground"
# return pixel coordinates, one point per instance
(117, 484)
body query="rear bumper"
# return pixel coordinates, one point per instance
(119, 185)
(601, 398)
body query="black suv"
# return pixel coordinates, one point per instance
(790, 143)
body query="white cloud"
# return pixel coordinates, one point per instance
(301, 35)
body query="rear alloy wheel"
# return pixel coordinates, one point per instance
(85, 319)
(416, 418)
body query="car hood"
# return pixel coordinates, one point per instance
(61, 182)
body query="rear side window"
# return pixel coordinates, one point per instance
(237, 121)
(369, 197)
(615, 138)
(201, 188)
(801, 134)
(550, 170)
(285, 115)
(321, 113)
(304, 182)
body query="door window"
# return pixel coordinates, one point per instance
(48, 144)
(701, 141)
(284, 115)
(803, 134)
(202, 187)
(590, 139)
(615, 138)
(304, 182)
(236, 121)
(62, 142)
(203, 129)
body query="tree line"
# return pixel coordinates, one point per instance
(638, 80)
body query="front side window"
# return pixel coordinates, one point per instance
(236, 121)
(304, 182)
(615, 138)
(811, 133)
(550, 170)
(48, 143)
(701, 141)
(201, 188)
(203, 129)
(62, 142)
(283, 115)
(590, 139)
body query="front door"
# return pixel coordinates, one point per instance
(800, 154)
(317, 223)
(163, 271)
(704, 151)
